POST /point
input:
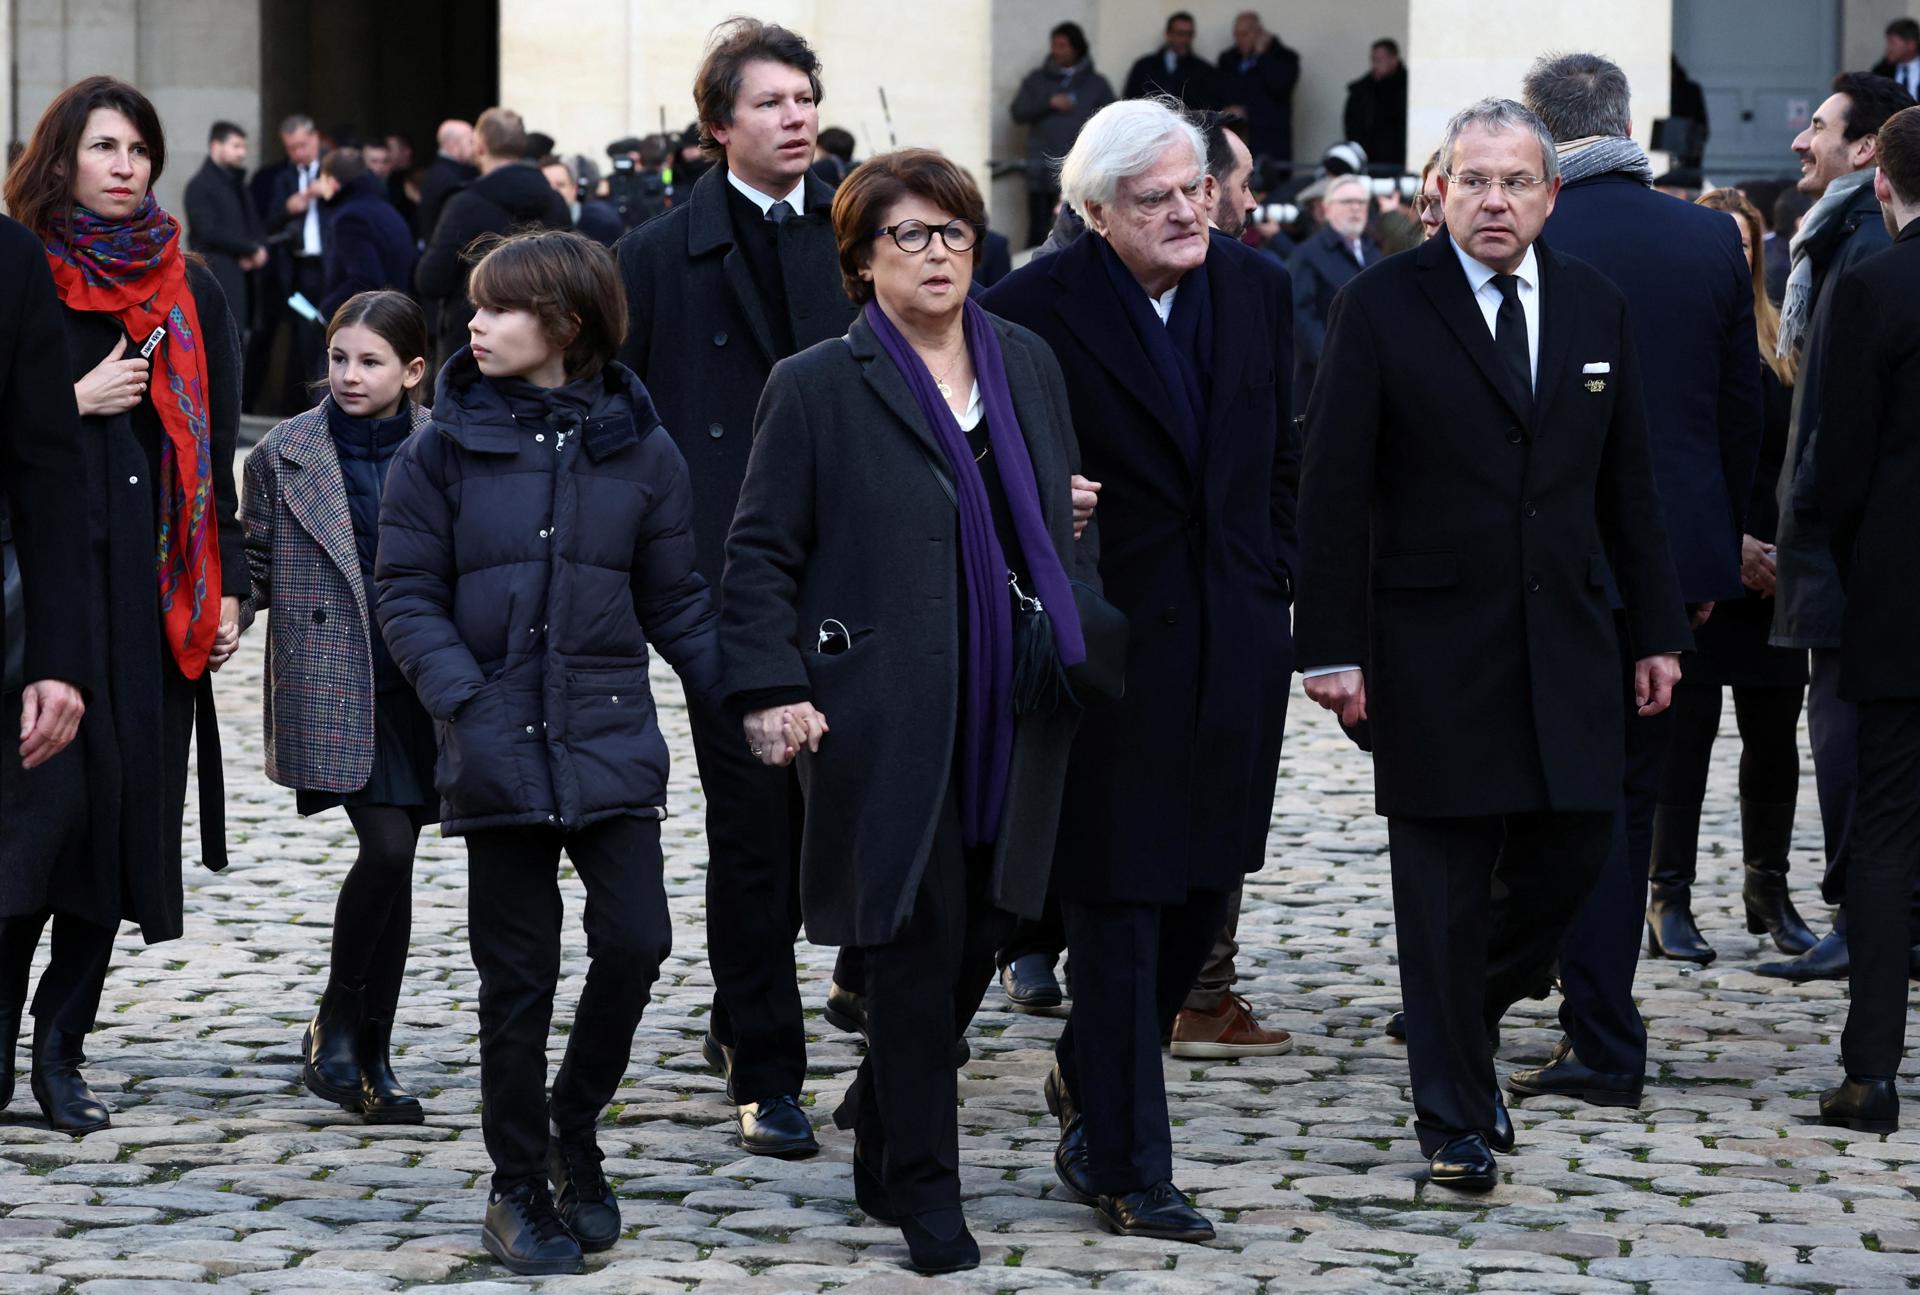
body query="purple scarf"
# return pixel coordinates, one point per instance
(986, 747)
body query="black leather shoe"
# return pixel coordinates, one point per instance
(1030, 983)
(1161, 1212)
(65, 1099)
(1059, 1100)
(870, 1189)
(383, 1099)
(846, 1010)
(9, 1043)
(778, 1128)
(331, 1064)
(1500, 1136)
(720, 1057)
(582, 1196)
(938, 1242)
(1565, 1075)
(526, 1234)
(1465, 1164)
(1864, 1105)
(1397, 1026)
(1826, 960)
(1070, 1154)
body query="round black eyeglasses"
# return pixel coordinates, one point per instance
(917, 235)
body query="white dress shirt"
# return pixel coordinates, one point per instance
(797, 199)
(1908, 75)
(1487, 297)
(310, 229)
(1163, 304)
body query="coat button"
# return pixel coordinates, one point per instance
(1533, 584)
(133, 481)
(720, 338)
(1513, 436)
(319, 616)
(543, 535)
(1170, 615)
(529, 728)
(716, 431)
(616, 701)
(540, 436)
(1529, 509)
(1193, 523)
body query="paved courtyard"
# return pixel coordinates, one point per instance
(221, 1171)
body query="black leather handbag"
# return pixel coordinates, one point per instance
(1040, 682)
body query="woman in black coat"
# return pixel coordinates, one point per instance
(368, 247)
(1769, 685)
(168, 564)
(899, 477)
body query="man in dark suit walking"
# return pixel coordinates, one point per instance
(1689, 297)
(1476, 468)
(1867, 479)
(742, 273)
(1322, 266)
(1838, 152)
(292, 216)
(221, 224)
(1176, 346)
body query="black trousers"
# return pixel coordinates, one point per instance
(1833, 731)
(68, 995)
(922, 990)
(1045, 934)
(754, 817)
(1769, 720)
(1133, 965)
(1602, 947)
(1465, 958)
(513, 927)
(1880, 880)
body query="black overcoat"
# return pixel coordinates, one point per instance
(1173, 787)
(698, 334)
(1459, 548)
(847, 514)
(1320, 267)
(136, 731)
(1868, 469)
(507, 199)
(223, 227)
(369, 247)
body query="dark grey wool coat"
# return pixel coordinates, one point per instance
(847, 513)
(304, 566)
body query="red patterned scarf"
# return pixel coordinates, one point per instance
(134, 271)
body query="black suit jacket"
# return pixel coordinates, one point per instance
(1689, 294)
(698, 334)
(223, 227)
(1192, 80)
(1458, 545)
(1172, 787)
(1868, 469)
(444, 178)
(1265, 90)
(1320, 267)
(270, 187)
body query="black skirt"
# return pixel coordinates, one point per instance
(1733, 649)
(403, 758)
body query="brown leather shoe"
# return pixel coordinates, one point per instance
(1230, 1030)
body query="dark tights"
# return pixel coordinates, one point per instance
(373, 921)
(1769, 720)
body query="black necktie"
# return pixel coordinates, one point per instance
(1510, 338)
(780, 212)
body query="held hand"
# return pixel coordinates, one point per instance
(1086, 494)
(114, 386)
(50, 711)
(1653, 681)
(297, 202)
(1702, 614)
(1759, 569)
(776, 734)
(1345, 694)
(227, 638)
(1061, 103)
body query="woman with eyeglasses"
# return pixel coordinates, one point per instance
(899, 569)
(1429, 205)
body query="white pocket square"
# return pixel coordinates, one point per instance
(1598, 366)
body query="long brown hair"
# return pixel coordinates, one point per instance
(1766, 318)
(39, 189)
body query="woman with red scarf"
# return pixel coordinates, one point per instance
(155, 371)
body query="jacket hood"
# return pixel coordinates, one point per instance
(476, 414)
(360, 188)
(519, 188)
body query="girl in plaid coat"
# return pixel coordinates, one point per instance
(343, 726)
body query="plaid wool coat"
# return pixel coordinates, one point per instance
(319, 689)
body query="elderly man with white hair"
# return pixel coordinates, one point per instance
(1321, 266)
(1176, 344)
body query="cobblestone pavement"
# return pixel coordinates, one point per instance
(221, 1170)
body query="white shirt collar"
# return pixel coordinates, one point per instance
(1163, 304)
(1480, 275)
(797, 199)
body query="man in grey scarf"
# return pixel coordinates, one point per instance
(1689, 297)
(1838, 156)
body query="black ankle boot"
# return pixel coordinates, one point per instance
(59, 1087)
(383, 1099)
(9, 1044)
(331, 1048)
(1766, 835)
(1671, 930)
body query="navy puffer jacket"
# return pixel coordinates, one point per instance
(530, 548)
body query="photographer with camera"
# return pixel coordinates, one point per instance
(635, 187)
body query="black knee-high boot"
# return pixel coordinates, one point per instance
(1766, 837)
(1671, 929)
